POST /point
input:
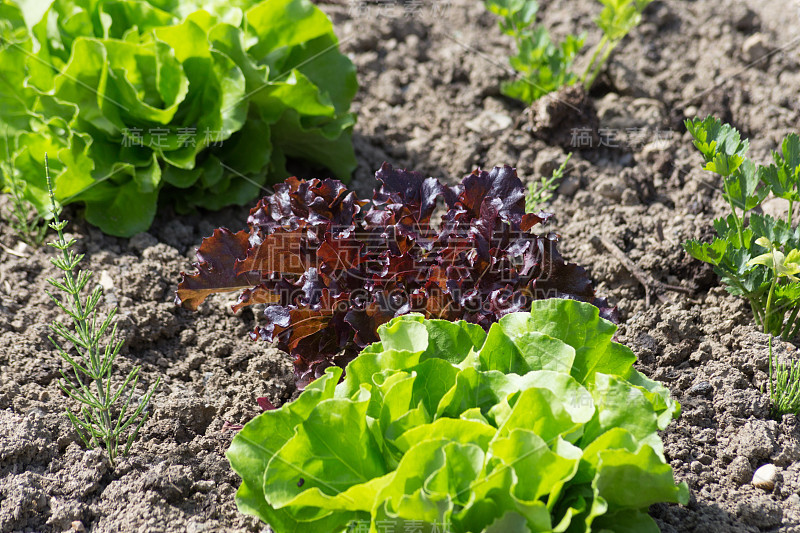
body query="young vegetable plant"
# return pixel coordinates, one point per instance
(539, 424)
(106, 414)
(332, 273)
(755, 255)
(193, 104)
(616, 20)
(23, 219)
(543, 66)
(784, 385)
(542, 191)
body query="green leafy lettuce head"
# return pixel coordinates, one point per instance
(541, 424)
(145, 100)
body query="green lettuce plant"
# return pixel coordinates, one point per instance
(198, 104)
(541, 424)
(755, 255)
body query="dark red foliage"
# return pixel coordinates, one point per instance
(334, 273)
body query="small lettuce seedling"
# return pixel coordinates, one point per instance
(755, 255)
(539, 424)
(543, 66)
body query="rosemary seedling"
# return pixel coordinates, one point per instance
(540, 192)
(101, 422)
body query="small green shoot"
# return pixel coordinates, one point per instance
(541, 192)
(784, 385)
(616, 20)
(755, 255)
(543, 66)
(23, 219)
(101, 421)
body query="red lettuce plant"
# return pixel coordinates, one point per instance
(332, 272)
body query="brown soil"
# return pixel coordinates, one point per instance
(429, 101)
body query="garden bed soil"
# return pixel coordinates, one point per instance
(429, 101)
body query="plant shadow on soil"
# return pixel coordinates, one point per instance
(430, 102)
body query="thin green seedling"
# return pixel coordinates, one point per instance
(105, 418)
(616, 20)
(784, 385)
(542, 65)
(540, 192)
(23, 219)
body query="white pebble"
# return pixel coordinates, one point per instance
(764, 477)
(106, 281)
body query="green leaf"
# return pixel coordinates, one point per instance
(361, 369)
(405, 334)
(636, 480)
(579, 325)
(741, 187)
(511, 348)
(790, 150)
(724, 164)
(451, 340)
(260, 439)
(538, 469)
(712, 252)
(324, 463)
(626, 521)
(511, 522)
(430, 478)
(620, 405)
(475, 389)
(476, 432)
(711, 137)
(542, 412)
(775, 231)
(435, 377)
(122, 210)
(659, 397)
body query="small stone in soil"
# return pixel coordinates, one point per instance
(740, 470)
(700, 389)
(764, 478)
